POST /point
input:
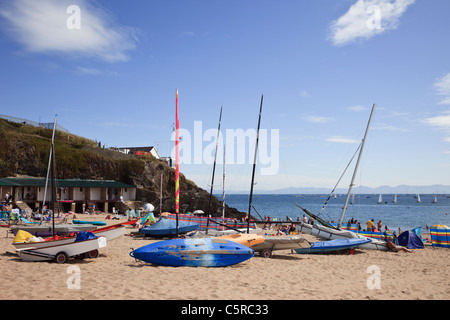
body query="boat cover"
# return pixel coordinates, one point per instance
(22, 236)
(168, 226)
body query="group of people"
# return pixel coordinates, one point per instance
(378, 228)
(282, 230)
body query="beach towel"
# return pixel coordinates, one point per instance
(148, 217)
(28, 222)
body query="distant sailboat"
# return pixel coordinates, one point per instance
(395, 199)
(380, 199)
(418, 198)
(434, 199)
(353, 199)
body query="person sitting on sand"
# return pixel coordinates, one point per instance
(394, 248)
(292, 229)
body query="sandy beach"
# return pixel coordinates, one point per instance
(366, 275)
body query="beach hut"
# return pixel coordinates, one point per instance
(440, 236)
(410, 240)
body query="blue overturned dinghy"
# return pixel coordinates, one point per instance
(206, 252)
(334, 245)
(167, 227)
(95, 223)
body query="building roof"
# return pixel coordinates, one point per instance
(76, 183)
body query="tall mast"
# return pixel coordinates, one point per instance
(356, 168)
(161, 193)
(223, 187)
(49, 163)
(177, 163)
(214, 171)
(51, 169)
(254, 166)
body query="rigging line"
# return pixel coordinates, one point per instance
(329, 197)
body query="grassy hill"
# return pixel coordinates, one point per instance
(25, 151)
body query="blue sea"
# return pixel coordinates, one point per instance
(406, 214)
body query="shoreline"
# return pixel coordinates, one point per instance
(114, 275)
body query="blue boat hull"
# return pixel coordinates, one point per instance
(208, 252)
(167, 227)
(333, 245)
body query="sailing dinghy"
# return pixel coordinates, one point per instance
(61, 253)
(334, 246)
(327, 231)
(109, 232)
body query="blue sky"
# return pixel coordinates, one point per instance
(320, 65)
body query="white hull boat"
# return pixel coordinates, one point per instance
(61, 253)
(280, 243)
(110, 233)
(326, 233)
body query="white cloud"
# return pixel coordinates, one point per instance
(93, 72)
(367, 18)
(188, 34)
(305, 94)
(441, 122)
(387, 127)
(447, 139)
(338, 139)
(41, 27)
(318, 119)
(358, 108)
(443, 88)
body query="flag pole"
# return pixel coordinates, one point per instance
(177, 162)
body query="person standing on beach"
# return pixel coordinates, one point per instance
(370, 225)
(380, 225)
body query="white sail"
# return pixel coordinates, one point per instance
(380, 199)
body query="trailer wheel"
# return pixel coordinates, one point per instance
(92, 254)
(266, 253)
(61, 257)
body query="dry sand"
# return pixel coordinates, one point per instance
(424, 274)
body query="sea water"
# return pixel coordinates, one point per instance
(406, 214)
